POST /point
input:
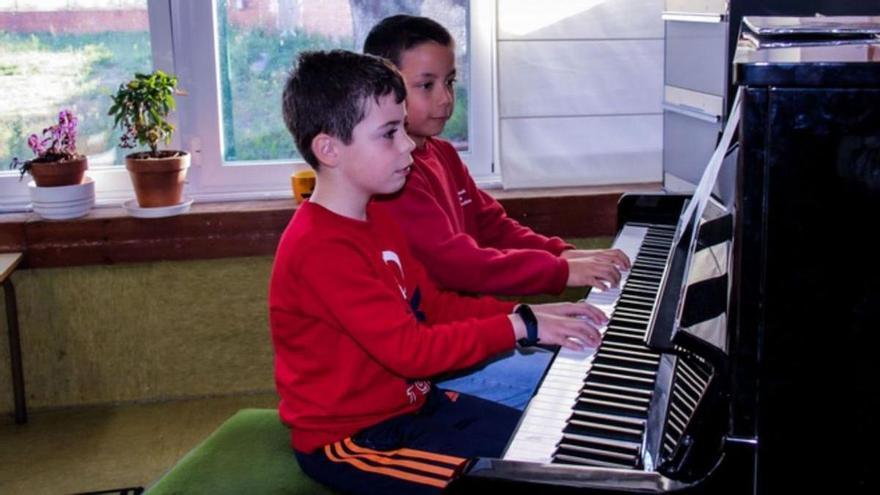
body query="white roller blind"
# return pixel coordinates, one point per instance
(580, 92)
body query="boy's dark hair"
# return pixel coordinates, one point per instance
(398, 33)
(327, 92)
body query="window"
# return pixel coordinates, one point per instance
(231, 57)
(258, 40)
(66, 55)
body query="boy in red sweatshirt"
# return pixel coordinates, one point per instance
(461, 234)
(358, 328)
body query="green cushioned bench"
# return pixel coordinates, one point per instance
(249, 453)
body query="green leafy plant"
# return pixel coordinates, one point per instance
(141, 107)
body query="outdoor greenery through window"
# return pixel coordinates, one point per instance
(231, 58)
(67, 54)
(258, 43)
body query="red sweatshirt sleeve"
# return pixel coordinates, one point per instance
(457, 262)
(446, 306)
(496, 229)
(376, 316)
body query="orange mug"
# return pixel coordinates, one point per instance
(303, 183)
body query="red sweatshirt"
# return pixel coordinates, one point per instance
(464, 238)
(344, 303)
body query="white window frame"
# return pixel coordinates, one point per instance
(183, 40)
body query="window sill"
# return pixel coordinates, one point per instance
(252, 228)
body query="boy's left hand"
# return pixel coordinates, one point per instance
(579, 309)
(615, 257)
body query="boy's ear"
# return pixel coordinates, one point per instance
(326, 149)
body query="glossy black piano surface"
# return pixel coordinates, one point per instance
(792, 399)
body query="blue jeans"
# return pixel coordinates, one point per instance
(510, 379)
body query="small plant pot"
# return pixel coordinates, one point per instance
(59, 173)
(158, 181)
(63, 202)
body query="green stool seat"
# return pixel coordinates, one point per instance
(249, 453)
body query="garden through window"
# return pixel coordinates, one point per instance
(67, 54)
(258, 43)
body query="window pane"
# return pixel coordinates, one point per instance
(57, 54)
(259, 40)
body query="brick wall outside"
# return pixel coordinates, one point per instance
(326, 17)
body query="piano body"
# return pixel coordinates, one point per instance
(740, 352)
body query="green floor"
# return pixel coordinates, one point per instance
(102, 448)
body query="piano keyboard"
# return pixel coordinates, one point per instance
(591, 409)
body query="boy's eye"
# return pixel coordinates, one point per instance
(450, 83)
(390, 134)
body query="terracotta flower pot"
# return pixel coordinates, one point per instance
(158, 181)
(59, 173)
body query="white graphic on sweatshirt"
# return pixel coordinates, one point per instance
(390, 257)
(420, 386)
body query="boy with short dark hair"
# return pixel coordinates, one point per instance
(461, 234)
(357, 327)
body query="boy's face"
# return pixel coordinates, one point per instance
(429, 72)
(378, 158)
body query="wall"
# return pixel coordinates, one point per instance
(148, 331)
(579, 92)
(141, 331)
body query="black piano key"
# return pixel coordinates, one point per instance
(631, 311)
(563, 458)
(632, 289)
(587, 447)
(621, 332)
(610, 408)
(601, 363)
(638, 302)
(604, 430)
(618, 379)
(637, 348)
(635, 423)
(624, 338)
(622, 319)
(635, 392)
(597, 394)
(611, 446)
(628, 361)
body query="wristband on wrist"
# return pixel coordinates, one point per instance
(528, 317)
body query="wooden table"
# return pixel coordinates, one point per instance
(8, 263)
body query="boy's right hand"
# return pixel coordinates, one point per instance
(571, 332)
(594, 271)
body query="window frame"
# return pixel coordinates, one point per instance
(183, 38)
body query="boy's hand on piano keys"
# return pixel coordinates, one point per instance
(570, 325)
(596, 271)
(578, 309)
(614, 256)
(572, 333)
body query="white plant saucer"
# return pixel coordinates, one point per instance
(131, 206)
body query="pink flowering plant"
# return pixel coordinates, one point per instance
(57, 143)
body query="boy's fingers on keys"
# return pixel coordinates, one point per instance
(621, 259)
(611, 275)
(588, 311)
(587, 337)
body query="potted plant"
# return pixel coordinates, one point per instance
(57, 162)
(141, 107)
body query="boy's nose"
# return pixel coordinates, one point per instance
(447, 96)
(408, 143)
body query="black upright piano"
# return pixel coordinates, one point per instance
(741, 353)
